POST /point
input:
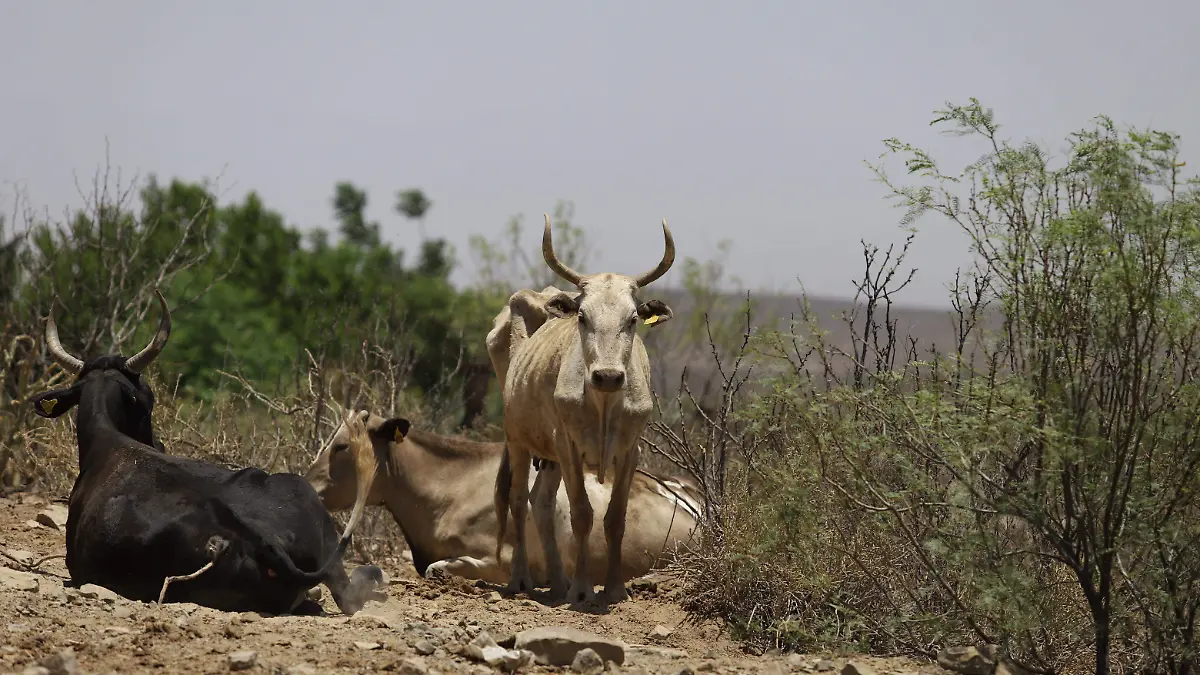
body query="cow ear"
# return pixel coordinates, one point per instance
(393, 430)
(562, 306)
(655, 312)
(51, 404)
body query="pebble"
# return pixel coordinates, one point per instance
(243, 660)
(587, 661)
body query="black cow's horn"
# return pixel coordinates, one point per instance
(63, 357)
(138, 362)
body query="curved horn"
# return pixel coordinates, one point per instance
(668, 259)
(552, 260)
(69, 363)
(365, 467)
(138, 362)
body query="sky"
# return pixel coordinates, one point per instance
(746, 121)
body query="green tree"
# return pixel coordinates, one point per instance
(413, 204)
(350, 208)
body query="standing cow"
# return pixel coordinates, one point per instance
(576, 393)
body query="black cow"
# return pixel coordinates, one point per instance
(138, 515)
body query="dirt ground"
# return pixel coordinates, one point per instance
(421, 627)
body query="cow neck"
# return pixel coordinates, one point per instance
(428, 477)
(98, 423)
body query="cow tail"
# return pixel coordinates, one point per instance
(503, 488)
(275, 557)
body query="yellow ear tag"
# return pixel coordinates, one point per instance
(652, 320)
(48, 404)
(399, 436)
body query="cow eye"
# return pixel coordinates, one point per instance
(582, 317)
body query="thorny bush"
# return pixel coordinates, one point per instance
(1035, 486)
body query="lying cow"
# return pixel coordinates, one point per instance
(431, 486)
(139, 518)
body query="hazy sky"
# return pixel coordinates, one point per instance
(740, 120)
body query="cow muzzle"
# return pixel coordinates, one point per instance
(608, 380)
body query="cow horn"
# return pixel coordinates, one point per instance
(552, 260)
(668, 259)
(138, 362)
(61, 356)
(366, 466)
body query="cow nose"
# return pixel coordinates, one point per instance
(607, 379)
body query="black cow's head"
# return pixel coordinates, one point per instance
(107, 389)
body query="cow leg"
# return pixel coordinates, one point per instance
(520, 580)
(581, 517)
(614, 524)
(469, 568)
(545, 497)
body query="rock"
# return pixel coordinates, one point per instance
(587, 661)
(966, 660)
(15, 580)
(494, 597)
(62, 663)
(54, 517)
(824, 665)
(301, 669)
(243, 660)
(32, 525)
(484, 648)
(367, 646)
(314, 594)
(795, 662)
(644, 585)
(23, 557)
(412, 667)
(424, 647)
(660, 633)
(36, 670)
(852, 668)
(558, 645)
(98, 593)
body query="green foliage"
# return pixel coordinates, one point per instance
(248, 293)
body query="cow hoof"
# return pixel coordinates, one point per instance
(581, 594)
(367, 577)
(615, 594)
(439, 570)
(520, 585)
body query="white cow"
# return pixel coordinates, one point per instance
(576, 393)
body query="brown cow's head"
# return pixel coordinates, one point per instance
(343, 472)
(608, 311)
